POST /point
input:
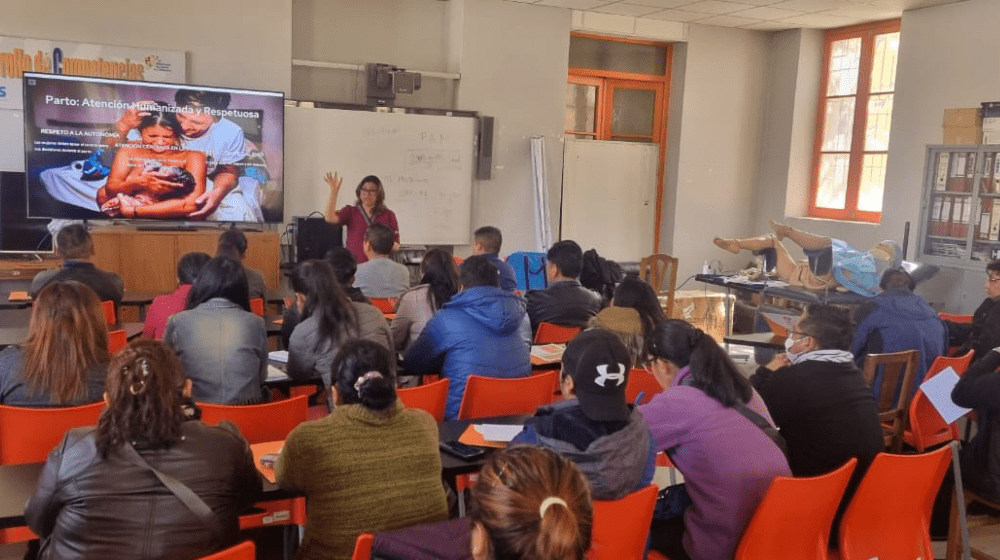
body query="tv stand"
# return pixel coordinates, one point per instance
(165, 227)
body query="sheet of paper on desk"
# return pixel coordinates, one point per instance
(938, 391)
(280, 356)
(548, 352)
(498, 432)
(275, 374)
(780, 324)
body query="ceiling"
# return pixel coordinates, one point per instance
(761, 15)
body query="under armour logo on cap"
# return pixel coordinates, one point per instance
(603, 376)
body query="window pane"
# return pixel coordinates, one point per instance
(839, 124)
(632, 111)
(832, 190)
(633, 139)
(616, 56)
(581, 107)
(872, 183)
(845, 57)
(884, 63)
(879, 119)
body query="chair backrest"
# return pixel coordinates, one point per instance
(363, 547)
(116, 341)
(894, 392)
(260, 423)
(926, 426)
(889, 515)
(955, 318)
(621, 526)
(243, 551)
(385, 305)
(793, 520)
(641, 382)
(551, 333)
(257, 306)
(431, 397)
(27, 435)
(109, 312)
(660, 271)
(486, 396)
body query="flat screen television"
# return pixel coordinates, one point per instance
(114, 149)
(18, 232)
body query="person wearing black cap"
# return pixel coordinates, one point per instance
(595, 427)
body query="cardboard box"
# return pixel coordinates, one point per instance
(705, 310)
(963, 117)
(957, 135)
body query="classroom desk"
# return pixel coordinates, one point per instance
(449, 430)
(16, 335)
(139, 299)
(767, 340)
(6, 303)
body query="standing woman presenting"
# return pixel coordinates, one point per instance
(369, 208)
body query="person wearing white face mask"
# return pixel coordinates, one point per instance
(819, 399)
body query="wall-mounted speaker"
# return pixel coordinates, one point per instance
(484, 159)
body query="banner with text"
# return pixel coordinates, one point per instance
(19, 55)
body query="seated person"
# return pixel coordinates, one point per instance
(983, 333)
(380, 276)
(328, 320)
(233, 243)
(727, 460)
(438, 283)
(626, 324)
(832, 262)
(166, 305)
(476, 333)
(344, 267)
(820, 400)
(594, 426)
(897, 320)
(154, 177)
(64, 360)
(371, 465)
(222, 345)
(75, 246)
(487, 241)
(96, 496)
(565, 301)
(979, 389)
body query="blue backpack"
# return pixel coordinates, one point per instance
(529, 270)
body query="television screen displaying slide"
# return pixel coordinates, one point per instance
(114, 149)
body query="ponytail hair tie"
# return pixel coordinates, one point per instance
(549, 502)
(364, 378)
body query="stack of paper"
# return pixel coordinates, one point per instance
(490, 435)
(548, 353)
(938, 391)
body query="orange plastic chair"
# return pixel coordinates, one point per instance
(260, 423)
(955, 318)
(385, 305)
(793, 520)
(363, 547)
(642, 382)
(889, 516)
(487, 396)
(116, 341)
(243, 551)
(551, 333)
(257, 306)
(27, 435)
(621, 527)
(431, 397)
(109, 312)
(926, 427)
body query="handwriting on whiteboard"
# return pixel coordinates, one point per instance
(433, 159)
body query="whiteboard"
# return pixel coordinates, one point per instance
(426, 164)
(609, 197)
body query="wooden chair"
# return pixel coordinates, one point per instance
(926, 427)
(363, 547)
(660, 271)
(116, 341)
(27, 435)
(109, 312)
(487, 396)
(243, 551)
(641, 382)
(385, 305)
(260, 423)
(257, 306)
(793, 520)
(889, 515)
(895, 391)
(551, 333)
(431, 397)
(621, 527)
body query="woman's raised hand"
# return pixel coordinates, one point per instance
(334, 181)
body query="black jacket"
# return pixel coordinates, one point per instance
(565, 302)
(982, 335)
(979, 388)
(88, 507)
(107, 285)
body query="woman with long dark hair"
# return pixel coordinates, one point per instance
(99, 496)
(63, 360)
(706, 419)
(328, 320)
(438, 282)
(371, 465)
(639, 295)
(368, 208)
(222, 345)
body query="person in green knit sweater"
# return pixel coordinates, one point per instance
(371, 465)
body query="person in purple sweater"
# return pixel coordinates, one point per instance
(727, 461)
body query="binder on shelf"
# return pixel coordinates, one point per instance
(946, 204)
(995, 223)
(956, 175)
(986, 182)
(934, 224)
(961, 215)
(996, 173)
(941, 175)
(985, 215)
(970, 172)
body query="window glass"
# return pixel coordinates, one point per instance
(617, 56)
(581, 107)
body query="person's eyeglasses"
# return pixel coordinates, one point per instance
(370, 191)
(993, 278)
(800, 334)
